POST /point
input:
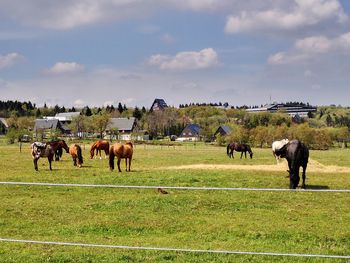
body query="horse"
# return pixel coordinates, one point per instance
(239, 147)
(297, 154)
(98, 146)
(75, 152)
(121, 151)
(276, 145)
(57, 147)
(39, 149)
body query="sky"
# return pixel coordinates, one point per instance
(98, 53)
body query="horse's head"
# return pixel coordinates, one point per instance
(64, 145)
(251, 154)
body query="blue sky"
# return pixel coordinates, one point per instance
(86, 52)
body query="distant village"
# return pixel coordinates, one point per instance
(161, 121)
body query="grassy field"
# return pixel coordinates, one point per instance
(285, 222)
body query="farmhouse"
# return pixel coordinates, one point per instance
(3, 126)
(190, 133)
(291, 109)
(223, 130)
(64, 117)
(45, 126)
(127, 129)
(158, 104)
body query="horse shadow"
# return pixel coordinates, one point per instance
(317, 187)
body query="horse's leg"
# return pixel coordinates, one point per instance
(241, 155)
(119, 164)
(75, 161)
(100, 154)
(304, 176)
(231, 154)
(50, 158)
(35, 160)
(130, 163)
(126, 164)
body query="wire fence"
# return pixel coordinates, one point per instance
(184, 250)
(190, 188)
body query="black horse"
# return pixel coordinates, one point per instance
(239, 147)
(297, 154)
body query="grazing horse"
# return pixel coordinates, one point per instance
(39, 149)
(57, 147)
(276, 145)
(98, 146)
(239, 147)
(297, 154)
(121, 151)
(75, 152)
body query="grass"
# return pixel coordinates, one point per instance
(296, 222)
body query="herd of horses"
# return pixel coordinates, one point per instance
(295, 152)
(54, 149)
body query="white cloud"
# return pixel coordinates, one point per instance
(302, 14)
(9, 60)
(79, 103)
(189, 60)
(65, 68)
(312, 47)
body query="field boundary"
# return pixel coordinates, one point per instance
(173, 249)
(193, 188)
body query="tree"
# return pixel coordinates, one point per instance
(137, 113)
(100, 123)
(120, 108)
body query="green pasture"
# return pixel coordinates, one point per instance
(283, 222)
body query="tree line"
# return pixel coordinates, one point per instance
(328, 126)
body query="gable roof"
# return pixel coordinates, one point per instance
(66, 116)
(223, 130)
(190, 130)
(159, 104)
(43, 124)
(122, 124)
(3, 121)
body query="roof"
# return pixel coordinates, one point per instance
(159, 104)
(226, 129)
(66, 116)
(122, 124)
(46, 124)
(194, 129)
(3, 120)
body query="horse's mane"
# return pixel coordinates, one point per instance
(129, 143)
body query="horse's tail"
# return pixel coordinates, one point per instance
(80, 156)
(228, 149)
(111, 158)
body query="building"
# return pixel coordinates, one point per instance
(64, 117)
(158, 104)
(127, 129)
(43, 127)
(3, 126)
(190, 133)
(223, 130)
(291, 109)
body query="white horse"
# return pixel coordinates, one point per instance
(276, 145)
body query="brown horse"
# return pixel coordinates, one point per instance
(239, 147)
(39, 149)
(98, 146)
(75, 152)
(121, 151)
(57, 147)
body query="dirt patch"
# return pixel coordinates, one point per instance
(313, 166)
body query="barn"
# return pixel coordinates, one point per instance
(190, 133)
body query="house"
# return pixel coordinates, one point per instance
(190, 133)
(223, 130)
(3, 126)
(126, 128)
(64, 117)
(158, 104)
(45, 126)
(290, 108)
